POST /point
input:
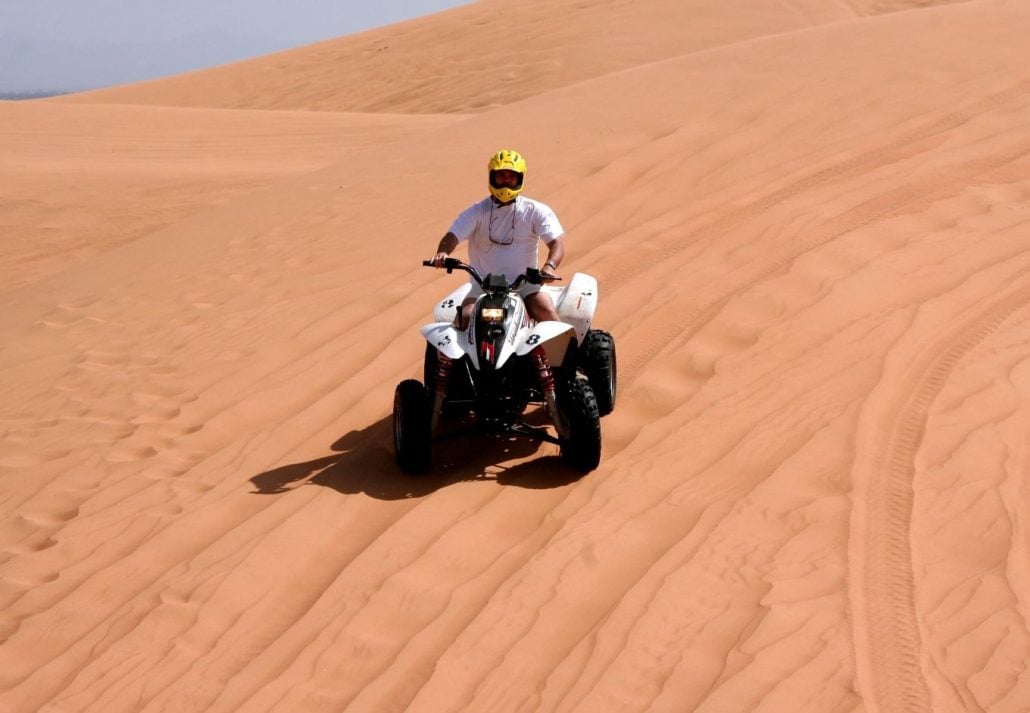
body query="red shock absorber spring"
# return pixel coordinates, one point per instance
(443, 373)
(543, 370)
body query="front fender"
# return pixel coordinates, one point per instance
(447, 309)
(444, 337)
(553, 336)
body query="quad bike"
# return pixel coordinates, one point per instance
(490, 372)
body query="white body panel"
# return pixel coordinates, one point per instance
(447, 308)
(445, 338)
(553, 336)
(575, 303)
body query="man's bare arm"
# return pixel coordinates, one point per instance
(555, 254)
(445, 248)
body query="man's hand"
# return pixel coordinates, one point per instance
(547, 273)
(444, 249)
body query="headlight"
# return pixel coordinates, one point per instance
(492, 314)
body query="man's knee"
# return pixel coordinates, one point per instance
(541, 307)
(464, 314)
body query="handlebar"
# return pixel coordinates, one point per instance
(451, 264)
(531, 275)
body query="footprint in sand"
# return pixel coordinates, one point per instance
(131, 454)
(67, 314)
(31, 547)
(174, 598)
(22, 460)
(166, 510)
(29, 580)
(8, 628)
(51, 519)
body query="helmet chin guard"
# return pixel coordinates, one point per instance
(509, 160)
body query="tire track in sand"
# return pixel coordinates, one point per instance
(887, 636)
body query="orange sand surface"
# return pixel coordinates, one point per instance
(810, 223)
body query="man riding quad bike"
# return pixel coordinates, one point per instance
(487, 373)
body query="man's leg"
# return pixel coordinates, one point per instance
(461, 319)
(541, 307)
(464, 313)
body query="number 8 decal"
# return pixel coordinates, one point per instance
(533, 339)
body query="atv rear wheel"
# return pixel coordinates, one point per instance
(582, 449)
(597, 360)
(412, 438)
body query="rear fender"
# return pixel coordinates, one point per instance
(576, 302)
(553, 336)
(444, 337)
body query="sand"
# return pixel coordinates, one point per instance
(809, 223)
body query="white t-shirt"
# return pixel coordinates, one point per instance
(503, 240)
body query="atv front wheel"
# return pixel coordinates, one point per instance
(411, 426)
(597, 359)
(582, 449)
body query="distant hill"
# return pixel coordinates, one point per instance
(29, 65)
(479, 56)
(19, 96)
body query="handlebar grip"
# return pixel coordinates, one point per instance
(449, 264)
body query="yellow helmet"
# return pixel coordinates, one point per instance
(506, 160)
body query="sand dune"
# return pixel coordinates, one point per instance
(487, 54)
(810, 232)
(83, 179)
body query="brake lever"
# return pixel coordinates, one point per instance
(536, 277)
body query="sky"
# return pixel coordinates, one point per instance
(69, 45)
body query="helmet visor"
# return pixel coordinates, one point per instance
(506, 178)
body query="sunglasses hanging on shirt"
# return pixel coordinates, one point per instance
(499, 238)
